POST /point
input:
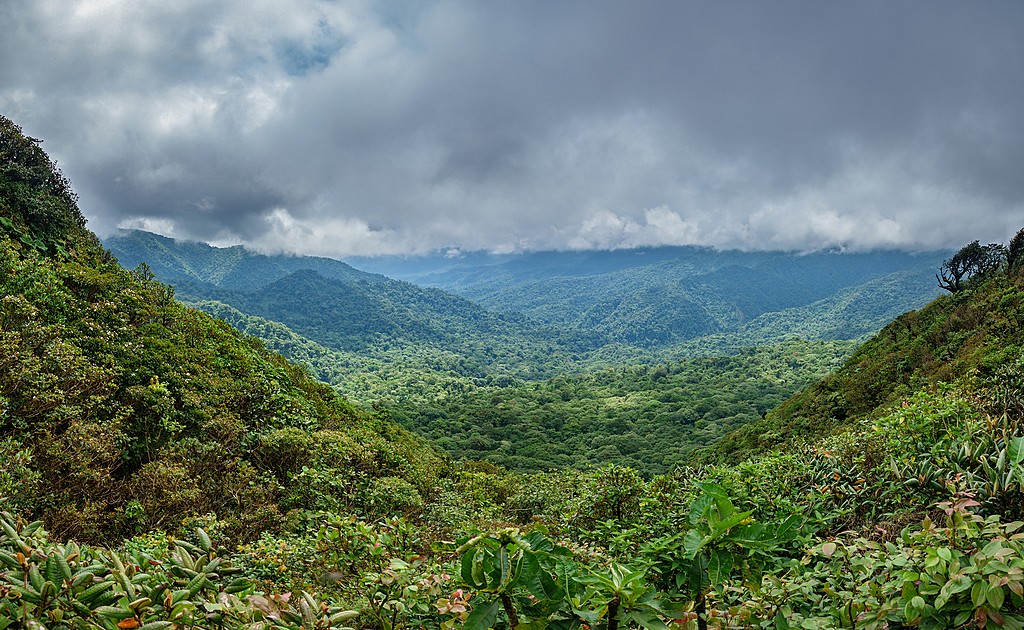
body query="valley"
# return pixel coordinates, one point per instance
(708, 439)
(480, 379)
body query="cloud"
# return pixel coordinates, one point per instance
(342, 128)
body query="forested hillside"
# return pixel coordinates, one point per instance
(164, 471)
(122, 411)
(663, 296)
(648, 299)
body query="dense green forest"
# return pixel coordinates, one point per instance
(166, 471)
(647, 417)
(571, 391)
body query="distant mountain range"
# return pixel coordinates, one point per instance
(482, 319)
(693, 291)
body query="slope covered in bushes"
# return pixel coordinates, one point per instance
(122, 410)
(973, 335)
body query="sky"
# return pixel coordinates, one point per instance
(343, 128)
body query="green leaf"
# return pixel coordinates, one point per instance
(728, 523)
(469, 569)
(537, 580)
(979, 593)
(753, 536)
(204, 539)
(503, 565)
(995, 597)
(692, 543)
(644, 620)
(699, 506)
(992, 548)
(719, 566)
(483, 616)
(958, 585)
(789, 528)
(1015, 452)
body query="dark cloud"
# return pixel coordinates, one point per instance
(357, 127)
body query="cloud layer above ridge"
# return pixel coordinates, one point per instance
(357, 128)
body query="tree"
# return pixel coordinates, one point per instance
(972, 261)
(1015, 252)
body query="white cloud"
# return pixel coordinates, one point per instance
(351, 127)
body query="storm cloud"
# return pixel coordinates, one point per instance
(355, 128)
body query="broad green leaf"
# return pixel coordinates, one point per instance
(503, 564)
(531, 567)
(712, 489)
(644, 619)
(979, 593)
(698, 508)
(789, 528)
(753, 536)
(538, 541)
(958, 585)
(537, 580)
(483, 615)
(1015, 451)
(719, 566)
(728, 523)
(720, 498)
(692, 543)
(472, 572)
(995, 597)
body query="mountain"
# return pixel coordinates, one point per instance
(123, 411)
(560, 308)
(426, 340)
(663, 296)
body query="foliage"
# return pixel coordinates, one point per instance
(38, 208)
(648, 417)
(122, 410)
(973, 262)
(74, 586)
(537, 584)
(382, 341)
(969, 333)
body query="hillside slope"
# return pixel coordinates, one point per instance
(974, 336)
(121, 410)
